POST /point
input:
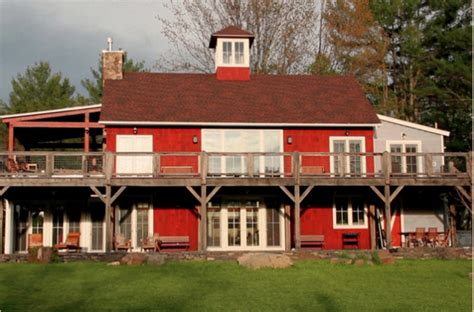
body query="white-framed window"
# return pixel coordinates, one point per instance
(239, 52)
(353, 164)
(403, 163)
(243, 141)
(349, 212)
(232, 52)
(227, 52)
(134, 219)
(131, 164)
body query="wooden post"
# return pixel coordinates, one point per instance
(108, 219)
(287, 227)
(1, 225)
(373, 241)
(49, 164)
(156, 165)
(11, 138)
(109, 165)
(429, 165)
(452, 212)
(250, 165)
(86, 133)
(297, 217)
(203, 165)
(203, 228)
(386, 166)
(388, 216)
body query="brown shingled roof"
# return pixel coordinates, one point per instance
(201, 98)
(230, 32)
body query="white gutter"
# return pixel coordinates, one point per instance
(233, 124)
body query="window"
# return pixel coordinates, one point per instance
(37, 219)
(243, 141)
(239, 52)
(58, 218)
(227, 49)
(233, 223)
(132, 220)
(214, 224)
(349, 212)
(404, 163)
(252, 222)
(354, 163)
(273, 226)
(74, 218)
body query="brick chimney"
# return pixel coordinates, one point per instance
(112, 63)
(232, 53)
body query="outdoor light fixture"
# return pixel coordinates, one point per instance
(195, 139)
(346, 133)
(404, 135)
(289, 140)
(135, 130)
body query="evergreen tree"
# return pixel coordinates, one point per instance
(39, 89)
(94, 85)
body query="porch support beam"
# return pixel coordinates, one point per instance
(297, 217)
(461, 190)
(108, 219)
(99, 194)
(203, 229)
(396, 192)
(377, 192)
(288, 193)
(2, 191)
(117, 194)
(388, 216)
(194, 193)
(212, 193)
(306, 192)
(11, 138)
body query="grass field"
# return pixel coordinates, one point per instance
(430, 285)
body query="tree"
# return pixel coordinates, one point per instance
(39, 89)
(284, 34)
(357, 46)
(94, 86)
(429, 63)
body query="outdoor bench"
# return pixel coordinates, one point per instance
(312, 241)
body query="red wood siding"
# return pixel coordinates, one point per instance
(317, 140)
(233, 73)
(165, 140)
(319, 220)
(177, 222)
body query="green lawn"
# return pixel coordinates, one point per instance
(430, 285)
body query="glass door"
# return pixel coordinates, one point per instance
(97, 220)
(21, 227)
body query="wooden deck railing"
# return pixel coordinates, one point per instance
(233, 165)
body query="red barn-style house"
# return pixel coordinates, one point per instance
(215, 162)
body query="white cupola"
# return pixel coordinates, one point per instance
(232, 53)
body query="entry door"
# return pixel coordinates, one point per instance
(130, 164)
(97, 222)
(243, 228)
(21, 227)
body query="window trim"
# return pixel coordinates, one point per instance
(346, 140)
(350, 224)
(404, 143)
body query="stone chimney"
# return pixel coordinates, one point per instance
(112, 63)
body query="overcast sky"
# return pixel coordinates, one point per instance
(71, 34)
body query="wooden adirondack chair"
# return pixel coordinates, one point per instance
(151, 243)
(121, 243)
(72, 242)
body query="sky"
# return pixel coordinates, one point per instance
(71, 34)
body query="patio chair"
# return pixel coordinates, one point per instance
(431, 237)
(121, 243)
(72, 242)
(419, 239)
(35, 240)
(151, 243)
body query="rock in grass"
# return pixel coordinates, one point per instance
(134, 259)
(114, 263)
(264, 260)
(156, 259)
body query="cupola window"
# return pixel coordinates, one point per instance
(239, 53)
(227, 55)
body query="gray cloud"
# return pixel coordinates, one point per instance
(71, 34)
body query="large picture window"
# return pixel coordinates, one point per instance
(243, 141)
(349, 212)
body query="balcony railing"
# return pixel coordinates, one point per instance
(233, 165)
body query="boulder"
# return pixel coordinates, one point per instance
(134, 259)
(264, 260)
(359, 262)
(385, 256)
(114, 263)
(156, 259)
